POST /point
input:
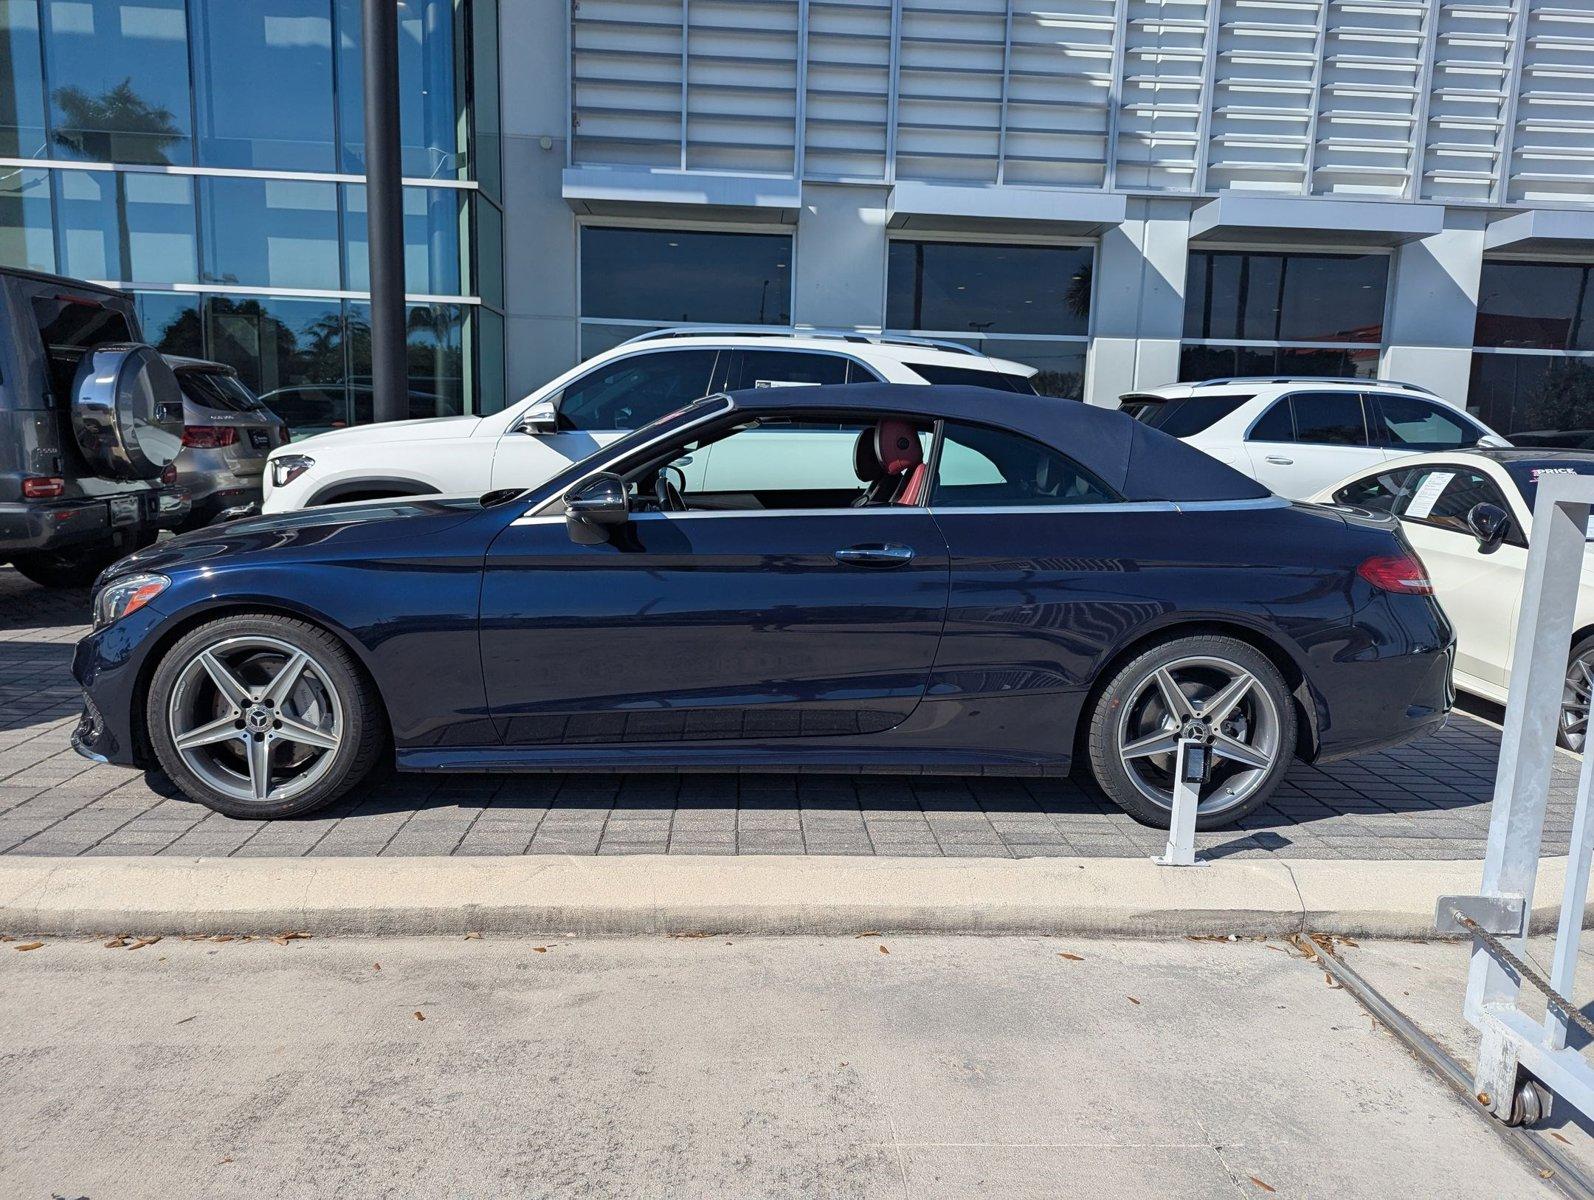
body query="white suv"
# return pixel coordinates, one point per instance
(1298, 434)
(594, 403)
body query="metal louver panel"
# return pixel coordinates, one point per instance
(626, 78)
(1059, 89)
(1370, 96)
(1162, 94)
(1552, 155)
(950, 74)
(741, 85)
(1469, 98)
(848, 90)
(1264, 94)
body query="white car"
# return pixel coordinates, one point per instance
(1469, 514)
(594, 403)
(1296, 435)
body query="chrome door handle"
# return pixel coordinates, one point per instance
(875, 555)
(1280, 460)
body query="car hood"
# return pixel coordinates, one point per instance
(307, 530)
(387, 431)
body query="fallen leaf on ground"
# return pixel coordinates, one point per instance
(1132, 1000)
(1329, 979)
(225, 1161)
(1264, 1186)
(288, 935)
(869, 933)
(142, 942)
(222, 937)
(540, 949)
(116, 943)
(1070, 957)
(419, 1015)
(689, 935)
(185, 1020)
(29, 945)
(473, 937)
(376, 966)
(883, 950)
(6, 937)
(1559, 1138)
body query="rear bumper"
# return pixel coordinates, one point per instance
(1385, 702)
(58, 524)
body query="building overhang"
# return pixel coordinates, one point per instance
(1313, 220)
(954, 208)
(1542, 231)
(681, 195)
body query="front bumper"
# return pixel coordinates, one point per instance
(107, 665)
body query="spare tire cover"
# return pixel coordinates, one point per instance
(127, 412)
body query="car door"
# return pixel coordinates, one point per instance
(594, 409)
(1480, 591)
(1307, 440)
(759, 617)
(1412, 425)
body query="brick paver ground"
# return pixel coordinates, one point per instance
(1428, 800)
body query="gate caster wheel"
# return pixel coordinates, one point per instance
(1530, 1105)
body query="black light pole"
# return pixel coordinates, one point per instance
(384, 211)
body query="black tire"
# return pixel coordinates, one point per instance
(1127, 685)
(364, 736)
(1571, 733)
(74, 568)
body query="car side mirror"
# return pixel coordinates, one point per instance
(593, 506)
(541, 417)
(1489, 524)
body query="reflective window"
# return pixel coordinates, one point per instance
(1535, 399)
(1240, 362)
(1329, 419)
(276, 343)
(172, 322)
(667, 276)
(971, 377)
(779, 463)
(263, 75)
(436, 355)
(431, 96)
(956, 287)
(1443, 495)
(1378, 492)
(489, 389)
(632, 391)
(126, 227)
(1276, 425)
(270, 232)
(218, 390)
(488, 281)
(982, 467)
(1184, 416)
(432, 232)
(1547, 306)
(22, 132)
(776, 368)
(1285, 297)
(118, 71)
(484, 96)
(1407, 423)
(27, 233)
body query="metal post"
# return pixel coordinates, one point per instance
(384, 211)
(1188, 771)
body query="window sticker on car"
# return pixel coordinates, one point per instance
(1538, 473)
(1423, 500)
(774, 383)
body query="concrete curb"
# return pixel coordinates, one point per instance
(654, 894)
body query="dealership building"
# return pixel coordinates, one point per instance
(1123, 193)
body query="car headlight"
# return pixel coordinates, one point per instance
(128, 595)
(288, 467)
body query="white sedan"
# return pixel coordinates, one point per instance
(1469, 514)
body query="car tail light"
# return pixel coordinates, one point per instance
(209, 437)
(169, 474)
(43, 487)
(1397, 573)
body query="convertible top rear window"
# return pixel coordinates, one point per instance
(1001, 381)
(1186, 416)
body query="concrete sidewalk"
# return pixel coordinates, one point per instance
(890, 1067)
(648, 895)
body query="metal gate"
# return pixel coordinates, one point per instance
(1517, 1050)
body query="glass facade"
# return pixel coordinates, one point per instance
(1026, 303)
(633, 280)
(1533, 355)
(256, 254)
(1254, 313)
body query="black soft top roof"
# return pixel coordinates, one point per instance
(1138, 462)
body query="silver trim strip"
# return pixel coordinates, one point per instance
(1128, 506)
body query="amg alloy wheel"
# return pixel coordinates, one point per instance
(1576, 697)
(261, 716)
(1216, 690)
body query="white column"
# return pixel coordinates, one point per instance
(1433, 306)
(1138, 313)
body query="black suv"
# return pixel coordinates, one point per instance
(91, 421)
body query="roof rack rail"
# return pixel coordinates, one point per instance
(779, 331)
(1388, 383)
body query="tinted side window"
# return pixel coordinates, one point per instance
(1275, 425)
(1411, 424)
(70, 328)
(1443, 496)
(1378, 492)
(1329, 418)
(773, 368)
(630, 392)
(972, 377)
(1188, 416)
(992, 468)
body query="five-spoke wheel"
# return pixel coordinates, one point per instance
(269, 716)
(1577, 696)
(1215, 691)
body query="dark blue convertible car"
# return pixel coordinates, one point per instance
(876, 578)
